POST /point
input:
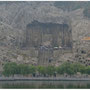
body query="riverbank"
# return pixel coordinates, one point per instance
(42, 79)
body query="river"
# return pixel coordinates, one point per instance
(44, 84)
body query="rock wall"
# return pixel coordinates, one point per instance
(52, 34)
(46, 38)
(14, 16)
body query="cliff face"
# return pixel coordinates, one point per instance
(16, 16)
(45, 37)
(48, 34)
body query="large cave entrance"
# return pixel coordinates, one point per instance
(46, 37)
(48, 34)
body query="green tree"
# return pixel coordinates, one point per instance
(41, 70)
(50, 70)
(88, 70)
(82, 69)
(59, 70)
(66, 67)
(10, 69)
(76, 67)
(23, 69)
(32, 69)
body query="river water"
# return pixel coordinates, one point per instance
(44, 84)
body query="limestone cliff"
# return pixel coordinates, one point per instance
(16, 16)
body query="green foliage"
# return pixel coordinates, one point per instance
(23, 69)
(79, 68)
(50, 70)
(10, 69)
(76, 67)
(41, 70)
(66, 68)
(82, 69)
(60, 70)
(88, 70)
(32, 69)
(13, 68)
(71, 68)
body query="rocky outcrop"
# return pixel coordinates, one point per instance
(16, 16)
(46, 37)
(49, 34)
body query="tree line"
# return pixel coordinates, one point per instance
(11, 69)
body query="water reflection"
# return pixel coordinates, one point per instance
(45, 84)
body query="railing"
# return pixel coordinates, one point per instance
(43, 79)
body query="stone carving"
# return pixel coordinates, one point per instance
(46, 38)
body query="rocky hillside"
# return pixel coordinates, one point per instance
(15, 16)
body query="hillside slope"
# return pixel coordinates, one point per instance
(15, 16)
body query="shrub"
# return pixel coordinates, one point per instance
(10, 69)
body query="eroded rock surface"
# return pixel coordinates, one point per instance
(15, 16)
